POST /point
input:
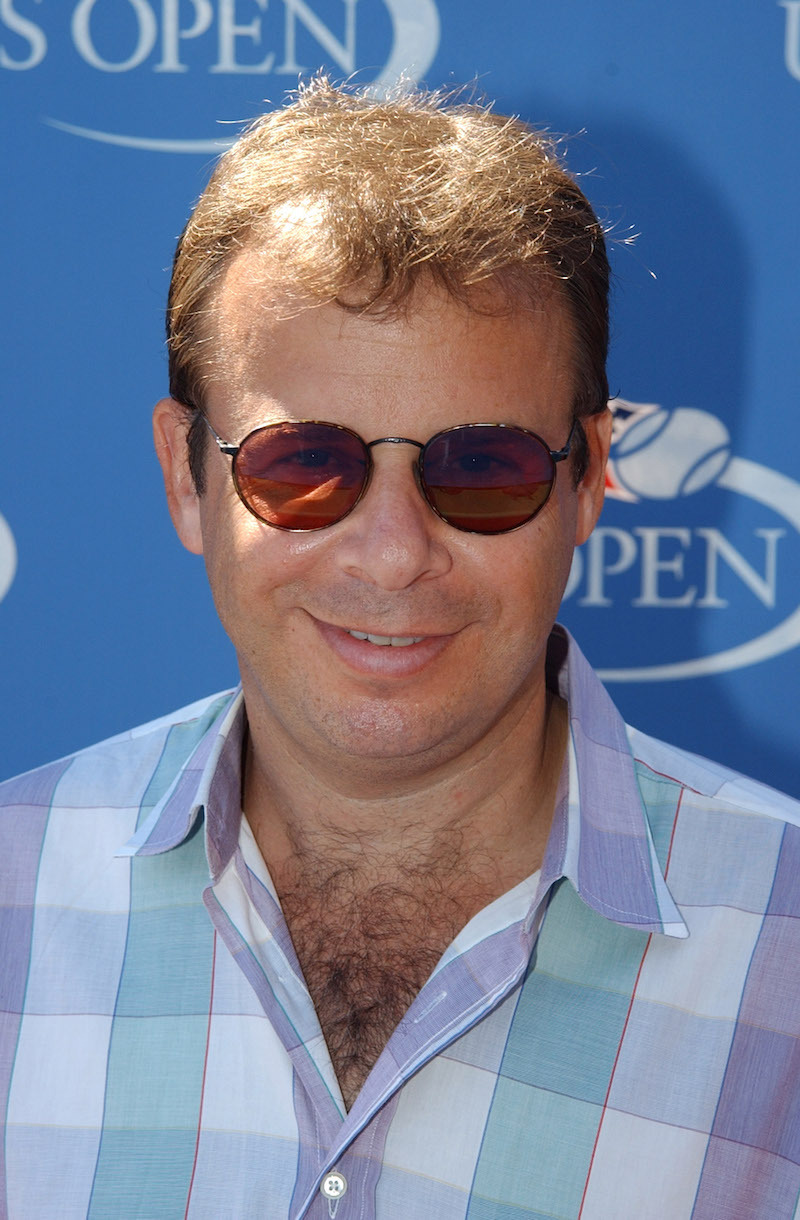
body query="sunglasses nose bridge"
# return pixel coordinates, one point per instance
(416, 465)
(394, 440)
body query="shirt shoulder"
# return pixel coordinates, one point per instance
(116, 772)
(710, 783)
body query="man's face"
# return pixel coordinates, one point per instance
(480, 608)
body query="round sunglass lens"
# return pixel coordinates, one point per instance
(301, 476)
(487, 478)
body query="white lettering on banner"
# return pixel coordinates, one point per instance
(8, 557)
(343, 53)
(415, 40)
(82, 36)
(791, 44)
(597, 565)
(171, 32)
(415, 35)
(680, 567)
(229, 31)
(29, 31)
(653, 564)
(718, 547)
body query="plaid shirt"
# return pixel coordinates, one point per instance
(616, 1038)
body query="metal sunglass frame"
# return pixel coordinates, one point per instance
(232, 451)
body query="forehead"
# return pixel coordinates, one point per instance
(277, 354)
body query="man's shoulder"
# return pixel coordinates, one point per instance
(116, 770)
(707, 784)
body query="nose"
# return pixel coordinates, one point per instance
(393, 538)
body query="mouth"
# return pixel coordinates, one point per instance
(383, 657)
(385, 641)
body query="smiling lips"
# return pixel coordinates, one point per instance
(381, 656)
(396, 641)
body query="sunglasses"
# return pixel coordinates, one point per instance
(480, 478)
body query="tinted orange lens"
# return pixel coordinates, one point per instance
(486, 478)
(301, 476)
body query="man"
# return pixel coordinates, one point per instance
(412, 926)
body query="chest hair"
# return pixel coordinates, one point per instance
(367, 944)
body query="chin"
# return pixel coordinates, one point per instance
(383, 733)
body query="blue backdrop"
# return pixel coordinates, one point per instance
(683, 120)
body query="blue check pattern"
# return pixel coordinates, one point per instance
(614, 1039)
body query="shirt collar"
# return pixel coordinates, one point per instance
(600, 840)
(207, 782)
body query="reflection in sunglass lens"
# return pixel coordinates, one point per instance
(487, 478)
(301, 476)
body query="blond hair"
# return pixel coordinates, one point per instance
(357, 197)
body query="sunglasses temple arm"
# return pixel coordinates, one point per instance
(558, 455)
(224, 446)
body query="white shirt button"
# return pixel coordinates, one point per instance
(333, 1185)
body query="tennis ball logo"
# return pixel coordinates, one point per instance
(8, 558)
(667, 454)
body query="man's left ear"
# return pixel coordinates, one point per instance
(591, 488)
(170, 427)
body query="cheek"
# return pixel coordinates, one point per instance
(252, 568)
(536, 564)
(232, 542)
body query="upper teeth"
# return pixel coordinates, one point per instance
(399, 641)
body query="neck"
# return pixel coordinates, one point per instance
(490, 811)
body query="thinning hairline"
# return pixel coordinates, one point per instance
(515, 289)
